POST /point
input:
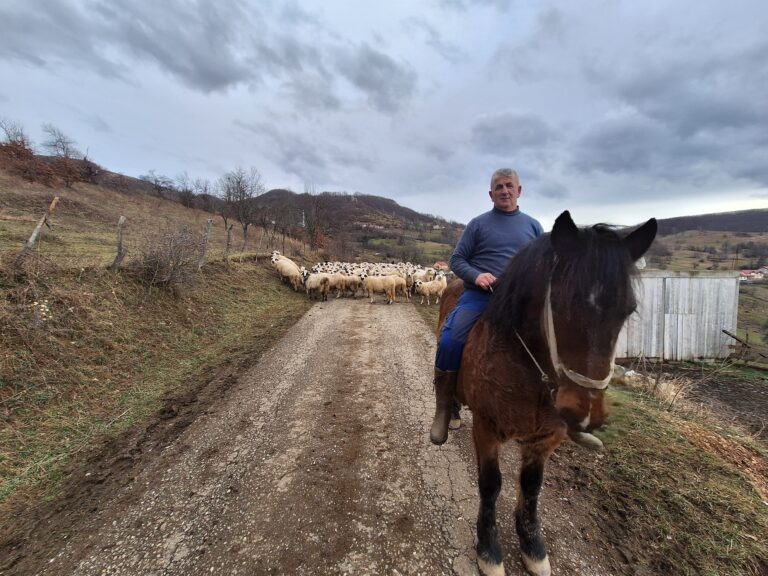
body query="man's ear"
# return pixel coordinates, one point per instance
(490, 194)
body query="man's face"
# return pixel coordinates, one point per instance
(506, 191)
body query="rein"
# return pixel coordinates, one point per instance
(560, 368)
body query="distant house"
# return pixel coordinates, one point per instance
(748, 275)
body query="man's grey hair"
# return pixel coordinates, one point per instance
(504, 173)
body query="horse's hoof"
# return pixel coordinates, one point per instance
(537, 567)
(587, 440)
(488, 569)
(454, 423)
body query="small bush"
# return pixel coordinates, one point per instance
(168, 259)
(18, 158)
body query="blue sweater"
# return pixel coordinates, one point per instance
(489, 241)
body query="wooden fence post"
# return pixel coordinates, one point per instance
(205, 243)
(121, 250)
(229, 245)
(36, 232)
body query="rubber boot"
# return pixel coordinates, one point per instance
(445, 388)
(455, 421)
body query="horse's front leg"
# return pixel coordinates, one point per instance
(489, 551)
(532, 548)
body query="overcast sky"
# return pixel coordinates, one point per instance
(615, 110)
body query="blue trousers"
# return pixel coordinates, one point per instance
(470, 306)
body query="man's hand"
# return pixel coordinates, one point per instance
(485, 280)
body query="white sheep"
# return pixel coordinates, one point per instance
(352, 284)
(317, 284)
(379, 284)
(288, 272)
(400, 286)
(433, 288)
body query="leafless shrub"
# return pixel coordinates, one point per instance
(669, 389)
(168, 259)
(18, 158)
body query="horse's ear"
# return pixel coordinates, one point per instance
(640, 240)
(565, 235)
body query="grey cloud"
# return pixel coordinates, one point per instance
(97, 123)
(199, 44)
(292, 14)
(209, 46)
(311, 91)
(87, 117)
(287, 55)
(549, 189)
(695, 96)
(510, 132)
(464, 5)
(386, 83)
(47, 33)
(298, 155)
(697, 112)
(625, 145)
(438, 152)
(642, 147)
(449, 51)
(526, 60)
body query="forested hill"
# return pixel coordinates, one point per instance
(350, 210)
(742, 221)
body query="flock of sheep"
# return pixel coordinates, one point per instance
(349, 279)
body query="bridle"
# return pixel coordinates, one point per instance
(560, 368)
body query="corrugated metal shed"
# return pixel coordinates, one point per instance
(681, 315)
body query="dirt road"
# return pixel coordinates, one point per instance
(317, 461)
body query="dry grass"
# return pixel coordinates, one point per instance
(85, 352)
(111, 350)
(684, 489)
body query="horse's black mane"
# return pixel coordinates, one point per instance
(597, 257)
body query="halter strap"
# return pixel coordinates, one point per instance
(559, 367)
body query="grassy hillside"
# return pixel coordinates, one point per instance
(85, 352)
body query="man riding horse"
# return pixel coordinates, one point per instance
(488, 242)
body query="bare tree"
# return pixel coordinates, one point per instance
(185, 189)
(63, 148)
(317, 219)
(13, 133)
(59, 144)
(239, 188)
(202, 186)
(160, 184)
(204, 191)
(284, 219)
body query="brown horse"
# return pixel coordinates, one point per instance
(536, 364)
